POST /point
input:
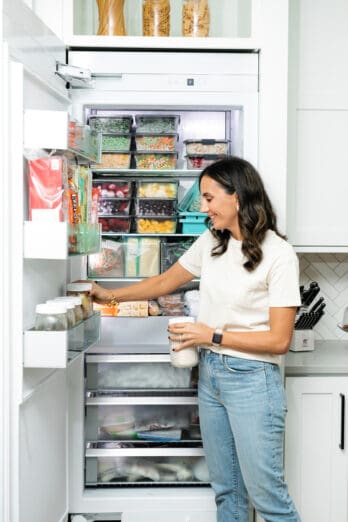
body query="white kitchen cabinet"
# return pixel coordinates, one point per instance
(315, 447)
(317, 158)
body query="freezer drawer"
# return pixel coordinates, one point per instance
(152, 470)
(137, 372)
(169, 420)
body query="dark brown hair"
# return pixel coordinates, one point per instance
(255, 214)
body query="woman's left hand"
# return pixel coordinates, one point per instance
(190, 334)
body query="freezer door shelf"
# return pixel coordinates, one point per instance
(59, 240)
(54, 349)
(163, 467)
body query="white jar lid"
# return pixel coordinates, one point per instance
(181, 319)
(76, 299)
(79, 287)
(68, 303)
(50, 308)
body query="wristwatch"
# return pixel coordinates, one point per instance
(217, 337)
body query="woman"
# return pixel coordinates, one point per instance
(249, 292)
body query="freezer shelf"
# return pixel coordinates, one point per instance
(156, 422)
(53, 349)
(183, 469)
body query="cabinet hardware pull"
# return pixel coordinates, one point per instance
(343, 408)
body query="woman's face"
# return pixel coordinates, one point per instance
(222, 208)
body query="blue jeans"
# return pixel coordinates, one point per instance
(242, 409)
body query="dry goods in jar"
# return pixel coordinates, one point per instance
(195, 18)
(111, 19)
(156, 17)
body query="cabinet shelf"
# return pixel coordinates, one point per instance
(103, 400)
(44, 349)
(158, 174)
(59, 240)
(106, 450)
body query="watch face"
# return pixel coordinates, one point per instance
(217, 338)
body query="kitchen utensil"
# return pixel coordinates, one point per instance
(316, 304)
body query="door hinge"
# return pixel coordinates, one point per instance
(75, 76)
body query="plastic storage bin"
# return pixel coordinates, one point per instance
(116, 124)
(163, 142)
(108, 262)
(113, 188)
(155, 207)
(156, 189)
(200, 161)
(116, 224)
(206, 146)
(155, 225)
(113, 206)
(156, 123)
(114, 160)
(192, 222)
(155, 160)
(114, 142)
(170, 252)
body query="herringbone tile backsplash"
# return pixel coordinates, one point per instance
(331, 273)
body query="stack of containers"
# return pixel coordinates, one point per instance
(201, 153)
(114, 203)
(156, 206)
(155, 140)
(116, 141)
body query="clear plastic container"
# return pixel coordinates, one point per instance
(157, 189)
(114, 160)
(162, 142)
(156, 17)
(156, 225)
(116, 224)
(114, 142)
(51, 317)
(77, 304)
(195, 18)
(156, 123)
(142, 256)
(206, 146)
(113, 188)
(155, 207)
(112, 124)
(155, 160)
(70, 310)
(113, 206)
(82, 290)
(200, 161)
(108, 262)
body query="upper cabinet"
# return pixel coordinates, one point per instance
(201, 24)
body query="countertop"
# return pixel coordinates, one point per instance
(328, 358)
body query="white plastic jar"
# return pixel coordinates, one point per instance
(69, 307)
(76, 299)
(82, 290)
(187, 357)
(51, 317)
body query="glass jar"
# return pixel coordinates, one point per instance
(70, 309)
(51, 317)
(111, 18)
(156, 17)
(195, 18)
(76, 299)
(82, 290)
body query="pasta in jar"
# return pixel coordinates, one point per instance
(195, 18)
(156, 17)
(111, 19)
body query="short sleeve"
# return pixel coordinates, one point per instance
(192, 259)
(283, 279)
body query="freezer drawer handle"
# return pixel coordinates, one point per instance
(343, 411)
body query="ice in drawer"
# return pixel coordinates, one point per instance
(147, 418)
(136, 375)
(149, 470)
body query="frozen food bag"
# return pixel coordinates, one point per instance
(46, 181)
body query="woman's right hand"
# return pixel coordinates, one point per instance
(99, 294)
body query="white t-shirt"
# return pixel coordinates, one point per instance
(237, 300)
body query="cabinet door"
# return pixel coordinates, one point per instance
(315, 451)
